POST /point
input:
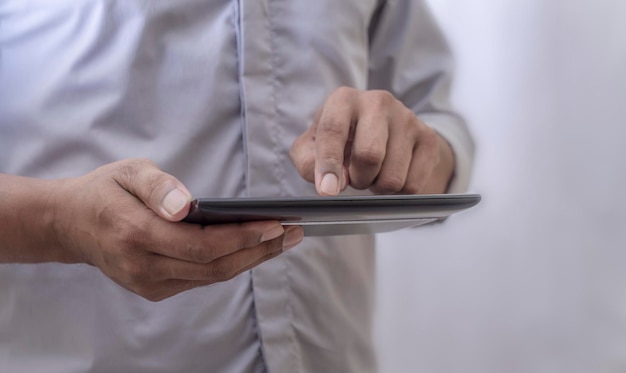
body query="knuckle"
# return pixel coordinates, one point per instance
(219, 272)
(380, 98)
(412, 124)
(306, 170)
(271, 247)
(130, 236)
(273, 254)
(428, 136)
(199, 253)
(144, 178)
(359, 183)
(248, 235)
(411, 188)
(409, 126)
(344, 92)
(332, 127)
(268, 256)
(368, 156)
(304, 163)
(389, 185)
(154, 181)
(129, 168)
(127, 172)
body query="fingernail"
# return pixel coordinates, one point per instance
(293, 236)
(272, 233)
(175, 201)
(330, 184)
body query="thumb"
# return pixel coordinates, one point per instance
(161, 192)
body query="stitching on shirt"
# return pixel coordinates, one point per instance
(279, 172)
(237, 23)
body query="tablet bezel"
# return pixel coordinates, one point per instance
(333, 215)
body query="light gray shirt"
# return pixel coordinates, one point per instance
(214, 92)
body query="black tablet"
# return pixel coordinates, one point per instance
(322, 216)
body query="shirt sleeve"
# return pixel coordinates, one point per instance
(410, 58)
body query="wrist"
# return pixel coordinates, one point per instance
(54, 223)
(28, 217)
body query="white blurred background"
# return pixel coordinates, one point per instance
(534, 278)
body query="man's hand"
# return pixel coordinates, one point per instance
(370, 140)
(123, 218)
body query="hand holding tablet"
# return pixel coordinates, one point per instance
(334, 215)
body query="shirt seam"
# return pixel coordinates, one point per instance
(242, 96)
(279, 173)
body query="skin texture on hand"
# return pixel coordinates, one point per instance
(370, 140)
(124, 219)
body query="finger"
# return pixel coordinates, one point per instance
(221, 269)
(194, 243)
(425, 157)
(444, 169)
(229, 265)
(395, 168)
(302, 154)
(302, 151)
(184, 276)
(176, 286)
(369, 146)
(331, 136)
(294, 234)
(161, 192)
(157, 291)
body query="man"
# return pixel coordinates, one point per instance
(113, 113)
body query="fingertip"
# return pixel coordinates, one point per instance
(274, 231)
(293, 236)
(329, 185)
(175, 204)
